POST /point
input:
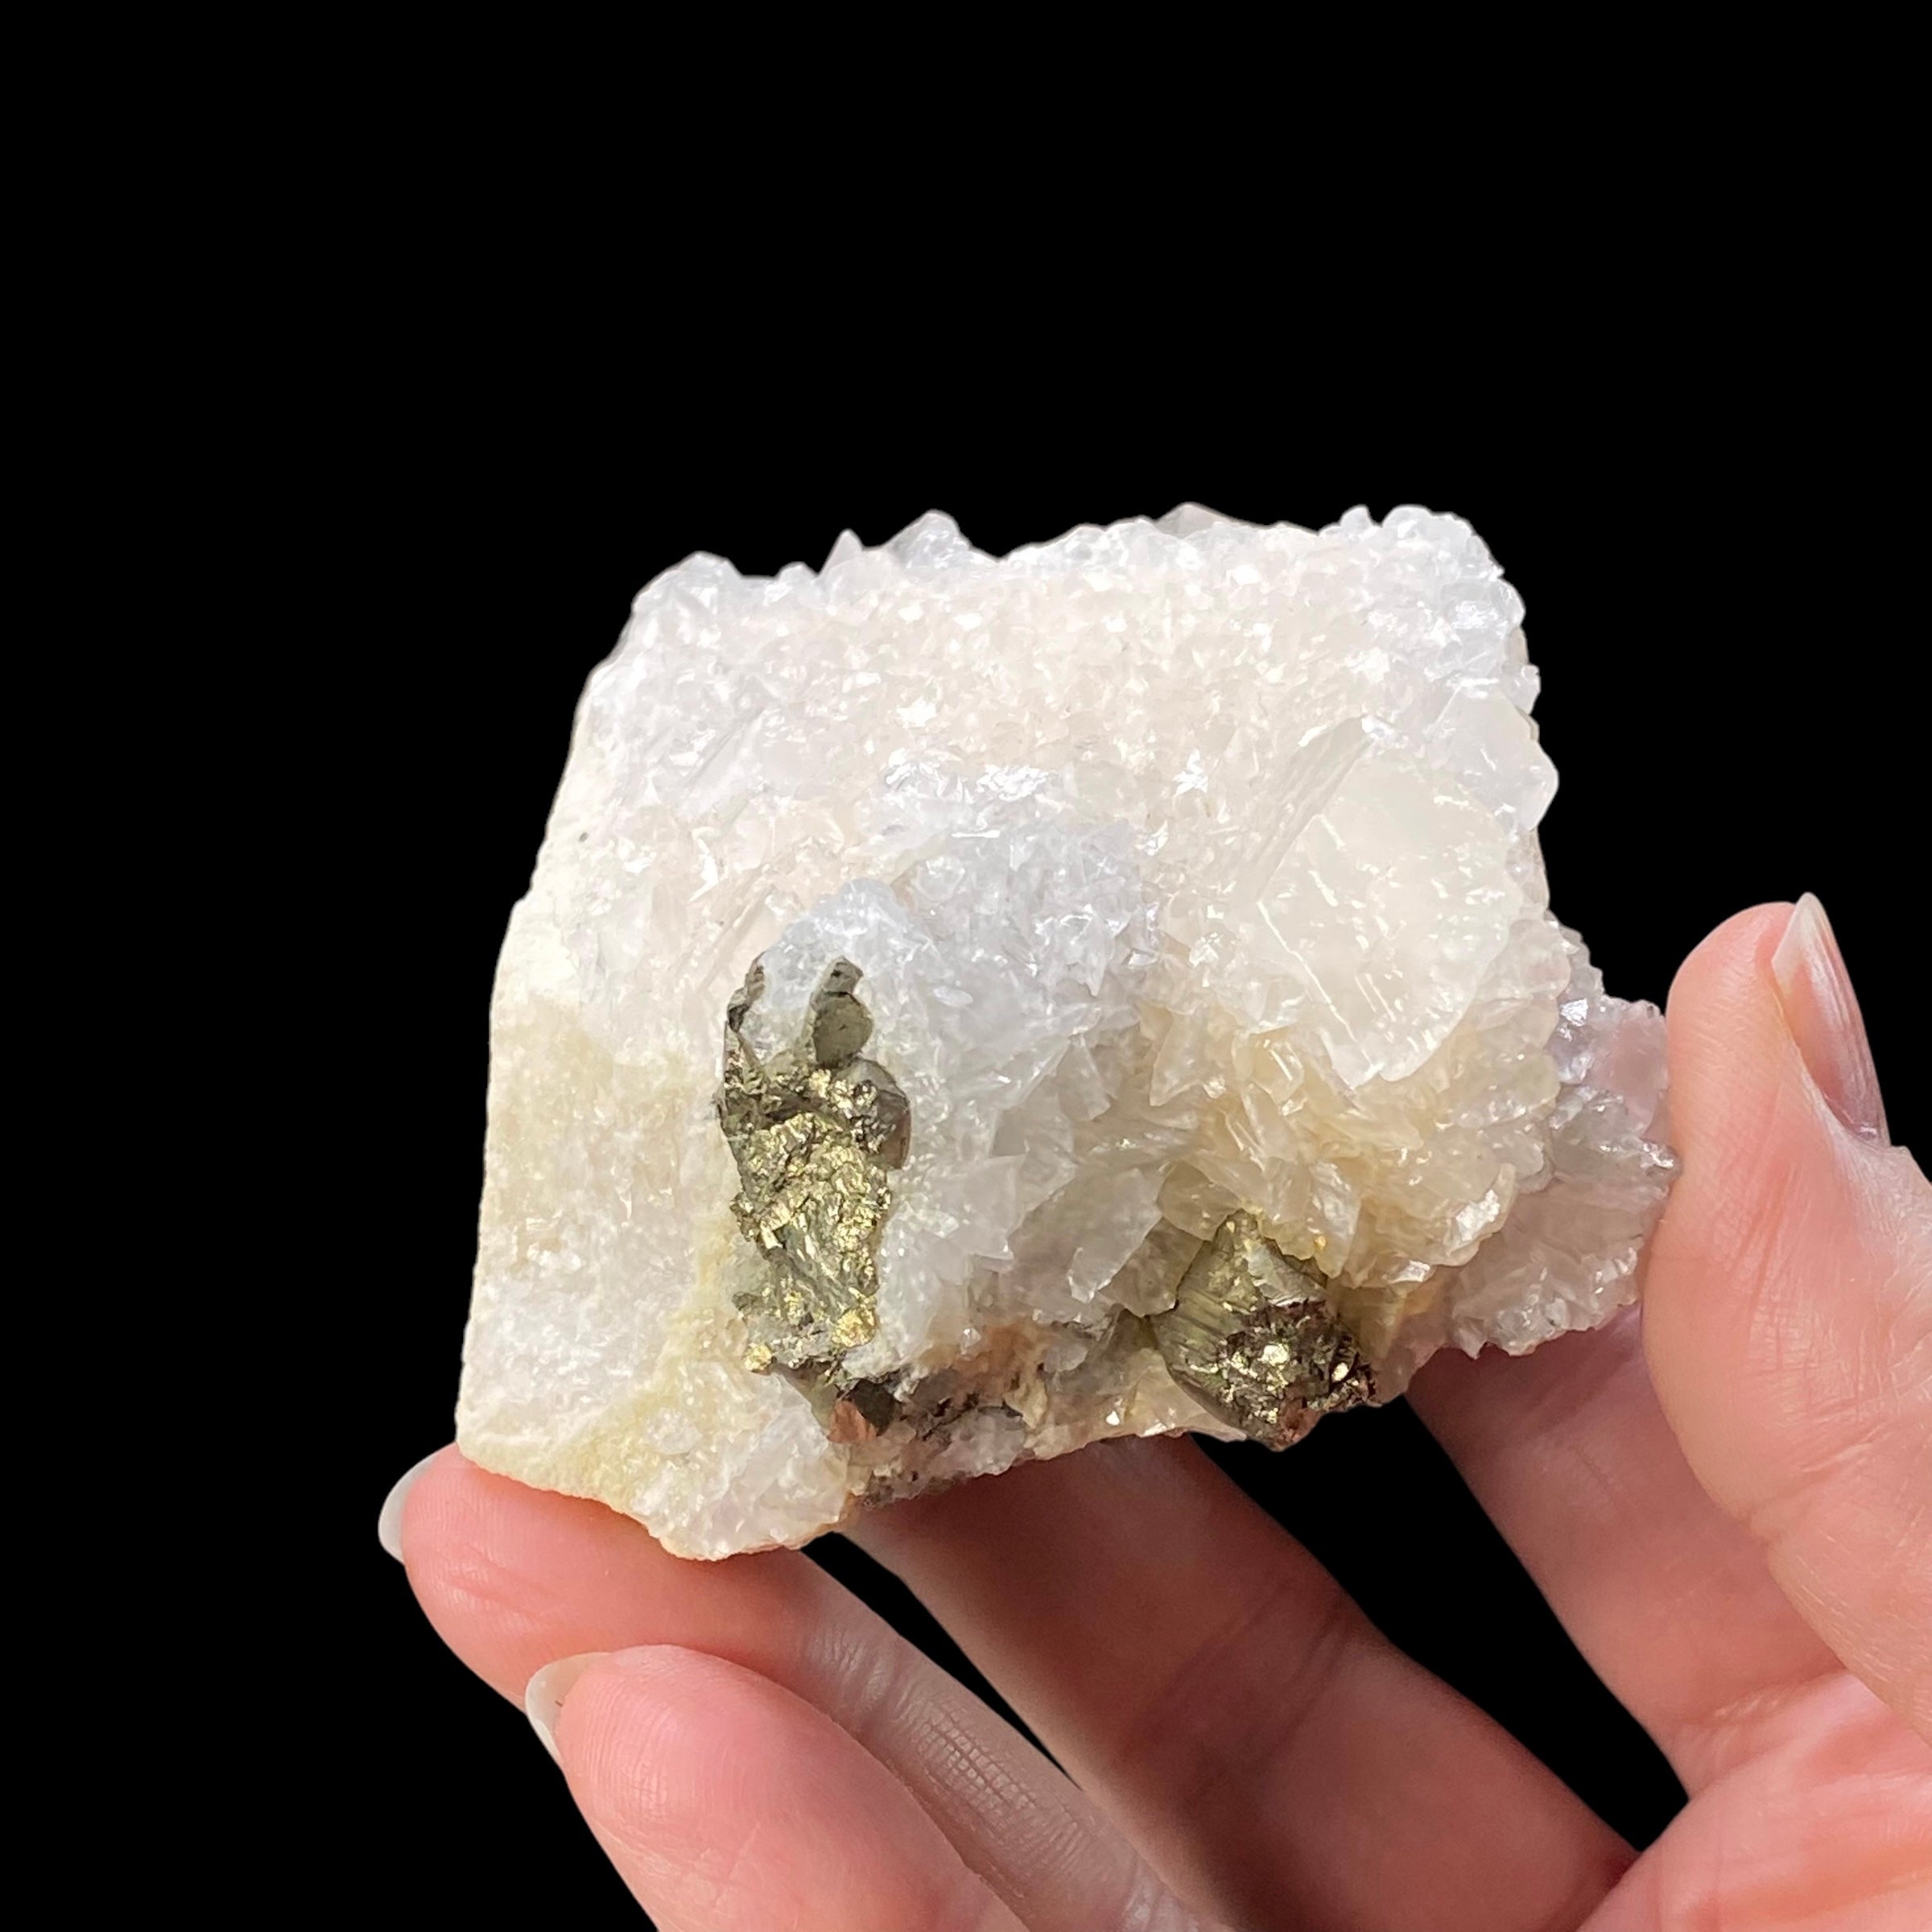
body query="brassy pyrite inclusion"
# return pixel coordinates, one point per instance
(1251, 1334)
(1141, 1012)
(816, 1132)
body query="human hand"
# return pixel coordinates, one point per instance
(1729, 1505)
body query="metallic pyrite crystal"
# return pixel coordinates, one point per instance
(815, 1133)
(966, 1008)
(1251, 1335)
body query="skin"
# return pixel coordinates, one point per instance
(1728, 1499)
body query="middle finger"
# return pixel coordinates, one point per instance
(1208, 1682)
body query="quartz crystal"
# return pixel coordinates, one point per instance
(970, 1007)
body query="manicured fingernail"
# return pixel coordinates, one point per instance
(544, 1695)
(1822, 1011)
(389, 1525)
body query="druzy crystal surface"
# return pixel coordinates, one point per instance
(970, 1007)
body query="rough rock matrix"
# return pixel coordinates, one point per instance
(970, 1007)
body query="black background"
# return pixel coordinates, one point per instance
(1731, 694)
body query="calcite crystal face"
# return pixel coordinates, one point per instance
(970, 1007)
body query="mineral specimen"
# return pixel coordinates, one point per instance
(966, 1008)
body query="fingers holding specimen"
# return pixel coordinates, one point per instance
(515, 1579)
(1200, 1674)
(1215, 1685)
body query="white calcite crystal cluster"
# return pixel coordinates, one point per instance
(968, 1007)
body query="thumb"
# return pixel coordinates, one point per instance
(1788, 1315)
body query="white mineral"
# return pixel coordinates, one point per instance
(1191, 873)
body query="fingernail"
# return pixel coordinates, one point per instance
(544, 1695)
(389, 1525)
(1822, 1011)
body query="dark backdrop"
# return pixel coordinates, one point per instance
(1732, 693)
